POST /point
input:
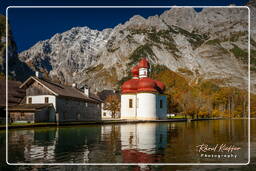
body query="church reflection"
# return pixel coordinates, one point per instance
(123, 143)
(141, 143)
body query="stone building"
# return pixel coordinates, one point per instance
(31, 113)
(69, 102)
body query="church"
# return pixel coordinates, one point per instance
(142, 98)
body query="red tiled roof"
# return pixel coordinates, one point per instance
(145, 84)
(143, 63)
(130, 86)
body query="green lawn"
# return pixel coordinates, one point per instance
(178, 117)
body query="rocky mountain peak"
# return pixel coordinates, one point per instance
(210, 44)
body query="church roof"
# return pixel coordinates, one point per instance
(145, 84)
(143, 63)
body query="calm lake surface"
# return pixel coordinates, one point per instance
(173, 142)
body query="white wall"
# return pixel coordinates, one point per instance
(128, 136)
(146, 134)
(40, 99)
(107, 112)
(146, 106)
(126, 112)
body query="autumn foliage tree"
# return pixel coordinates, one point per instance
(202, 98)
(112, 103)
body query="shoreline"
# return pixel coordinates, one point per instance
(101, 122)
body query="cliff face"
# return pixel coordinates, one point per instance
(16, 68)
(211, 44)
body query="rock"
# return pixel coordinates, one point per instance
(207, 43)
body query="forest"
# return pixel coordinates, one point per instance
(202, 98)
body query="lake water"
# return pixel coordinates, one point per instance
(173, 142)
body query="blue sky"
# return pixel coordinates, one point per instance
(32, 25)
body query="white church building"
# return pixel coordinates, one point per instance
(142, 97)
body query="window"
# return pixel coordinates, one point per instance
(78, 116)
(130, 103)
(104, 114)
(30, 100)
(161, 103)
(86, 104)
(46, 100)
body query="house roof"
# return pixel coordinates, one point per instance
(15, 94)
(29, 107)
(61, 90)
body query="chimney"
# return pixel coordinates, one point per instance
(86, 90)
(74, 85)
(38, 74)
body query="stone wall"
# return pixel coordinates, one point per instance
(41, 115)
(76, 110)
(21, 116)
(161, 111)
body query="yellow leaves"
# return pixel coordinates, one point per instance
(206, 98)
(217, 113)
(202, 113)
(112, 103)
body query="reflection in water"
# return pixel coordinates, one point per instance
(127, 143)
(141, 142)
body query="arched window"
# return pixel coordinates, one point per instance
(130, 103)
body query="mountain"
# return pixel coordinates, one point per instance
(207, 45)
(17, 69)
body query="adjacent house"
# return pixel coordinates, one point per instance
(68, 102)
(104, 94)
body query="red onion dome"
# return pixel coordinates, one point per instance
(147, 85)
(160, 85)
(143, 63)
(130, 86)
(135, 71)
